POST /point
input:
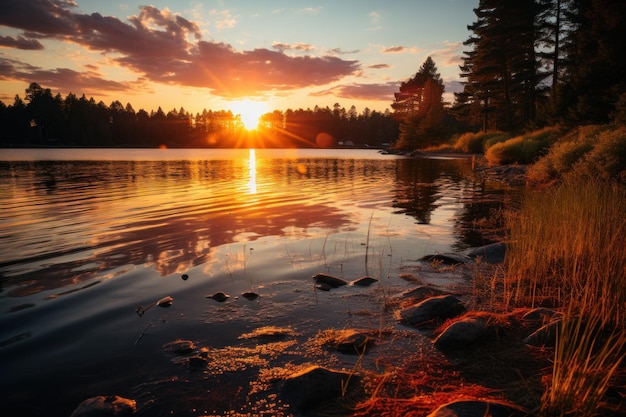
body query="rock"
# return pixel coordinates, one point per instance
(184, 277)
(539, 314)
(219, 296)
(105, 406)
(478, 408)
(492, 254)
(165, 301)
(315, 385)
(545, 335)
(180, 347)
(431, 309)
(461, 333)
(323, 287)
(423, 291)
(196, 361)
(364, 281)
(250, 295)
(330, 280)
(447, 258)
(352, 342)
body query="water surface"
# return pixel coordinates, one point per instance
(87, 236)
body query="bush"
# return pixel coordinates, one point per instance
(522, 149)
(589, 152)
(479, 141)
(606, 161)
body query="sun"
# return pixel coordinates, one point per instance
(249, 111)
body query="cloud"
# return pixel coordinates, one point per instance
(164, 47)
(361, 91)
(449, 55)
(282, 47)
(400, 50)
(73, 81)
(20, 42)
(379, 66)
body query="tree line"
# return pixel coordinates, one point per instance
(44, 119)
(529, 64)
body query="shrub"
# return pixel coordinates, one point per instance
(606, 161)
(478, 142)
(522, 149)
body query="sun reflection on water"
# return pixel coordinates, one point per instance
(252, 172)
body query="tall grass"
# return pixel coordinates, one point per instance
(567, 250)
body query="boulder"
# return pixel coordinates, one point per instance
(314, 386)
(545, 335)
(492, 254)
(461, 333)
(478, 408)
(431, 309)
(105, 406)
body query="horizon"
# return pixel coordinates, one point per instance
(246, 57)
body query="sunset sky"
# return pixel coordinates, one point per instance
(215, 53)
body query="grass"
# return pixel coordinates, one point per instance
(567, 251)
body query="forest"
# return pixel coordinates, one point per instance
(526, 65)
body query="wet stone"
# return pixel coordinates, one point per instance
(219, 296)
(363, 281)
(478, 408)
(314, 386)
(180, 347)
(461, 333)
(105, 406)
(333, 282)
(432, 309)
(422, 292)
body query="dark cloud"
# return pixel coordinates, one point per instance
(73, 81)
(167, 48)
(361, 91)
(20, 42)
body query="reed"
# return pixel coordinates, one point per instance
(567, 251)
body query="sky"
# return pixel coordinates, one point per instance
(220, 54)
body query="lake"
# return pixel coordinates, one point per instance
(87, 236)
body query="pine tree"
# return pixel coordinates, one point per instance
(418, 106)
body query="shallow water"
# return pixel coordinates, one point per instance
(88, 236)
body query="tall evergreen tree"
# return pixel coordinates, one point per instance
(501, 67)
(418, 106)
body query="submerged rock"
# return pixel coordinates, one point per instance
(250, 295)
(180, 346)
(364, 281)
(219, 296)
(461, 333)
(351, 342)
(492, 254)
(422, 292)
(314, 386)
(447, 258)
(105, 406)
(330, 280)
(431, 309)
(478, 408)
